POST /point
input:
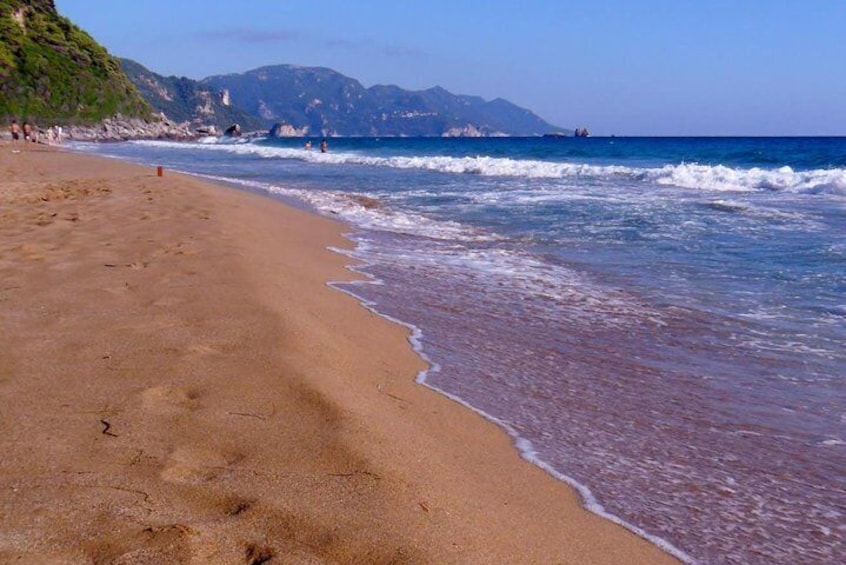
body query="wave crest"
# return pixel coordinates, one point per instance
(718, 178)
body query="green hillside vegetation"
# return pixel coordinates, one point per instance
(52, 70)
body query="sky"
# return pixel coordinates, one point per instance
(617, 67)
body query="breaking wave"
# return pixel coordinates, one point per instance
(717, 178)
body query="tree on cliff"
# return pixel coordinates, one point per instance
(51, 69)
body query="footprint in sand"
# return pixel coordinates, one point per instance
(236, 506)
(202, 349)
(197, 464)
(168, 399)
(176, 249)
(36, 251)
(154, 544)
(257, 554)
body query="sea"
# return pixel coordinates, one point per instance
(659, 322)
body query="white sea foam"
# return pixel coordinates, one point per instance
(345, 207)
(716, 178)
(523, 445)
(833, 443)
(721, 178)
(504, 269)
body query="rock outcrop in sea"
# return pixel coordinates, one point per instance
(472, 131)
(287, 130)
(233, 131)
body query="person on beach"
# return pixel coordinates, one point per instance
(307, 144)
(323, 145)
(27, 132)
(16, 130)
(54, 135)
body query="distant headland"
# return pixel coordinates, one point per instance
(53, 72)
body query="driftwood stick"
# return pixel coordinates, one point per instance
(106, 427)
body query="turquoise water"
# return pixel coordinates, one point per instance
(659, 322)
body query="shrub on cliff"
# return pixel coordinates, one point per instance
(52, 70)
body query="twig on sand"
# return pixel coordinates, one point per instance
(354, 473)
(394, 396)
(248, 414)
(106, 427)
(129, 490)
(141, 493)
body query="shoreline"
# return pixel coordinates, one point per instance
(324, 449)
(523, 447)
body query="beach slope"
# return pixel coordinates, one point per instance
(178, 384)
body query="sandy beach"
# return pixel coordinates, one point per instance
(178, 384)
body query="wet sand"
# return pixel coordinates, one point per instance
(178, 384)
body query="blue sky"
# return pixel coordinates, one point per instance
(623, 67)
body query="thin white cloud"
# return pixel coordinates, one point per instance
(371, 45)
(251, 35)
(405, 52)
(348, 43)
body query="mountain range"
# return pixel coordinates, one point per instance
(51, 70)
(319, 101)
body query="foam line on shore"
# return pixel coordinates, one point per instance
(523, 446)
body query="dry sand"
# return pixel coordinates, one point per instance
(179, 385)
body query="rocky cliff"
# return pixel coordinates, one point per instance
(51, 70)
(206, 109)
(121, 128)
